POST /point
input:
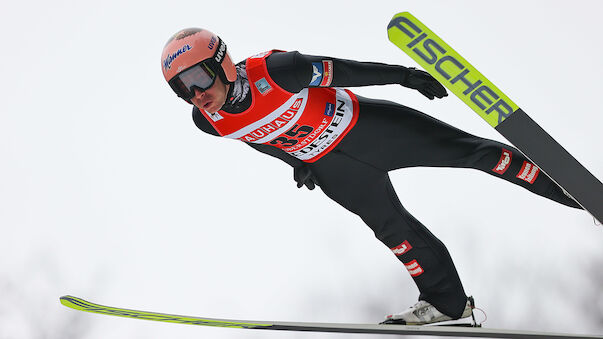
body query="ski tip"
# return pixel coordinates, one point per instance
(73, 302)
(398, 20)
(66, 300)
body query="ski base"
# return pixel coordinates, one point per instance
(447, 331)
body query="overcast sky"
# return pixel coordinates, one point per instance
(109, 192)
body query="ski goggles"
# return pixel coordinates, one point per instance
(199, 76)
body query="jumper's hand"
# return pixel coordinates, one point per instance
(303, 176)
(424, 83)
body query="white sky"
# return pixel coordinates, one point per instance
(109, 192)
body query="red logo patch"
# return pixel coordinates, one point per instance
(327, 77)
(402, 248)
(414, 268)
(528, 172)
(504, 162)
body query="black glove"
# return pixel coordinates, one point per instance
(424, 83)
(303, 176)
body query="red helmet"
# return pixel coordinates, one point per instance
(193, 47)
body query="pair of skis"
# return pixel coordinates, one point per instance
(452, 70)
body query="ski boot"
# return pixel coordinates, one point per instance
(423, 313)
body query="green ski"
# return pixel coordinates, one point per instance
(449, 331)
(489, 102)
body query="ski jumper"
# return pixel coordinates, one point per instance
(385, 136)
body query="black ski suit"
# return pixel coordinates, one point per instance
(389, 136)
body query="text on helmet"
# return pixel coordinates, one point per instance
(167, 63)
